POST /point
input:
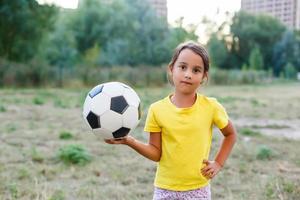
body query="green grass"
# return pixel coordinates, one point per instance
(58, 195)
(64, 135)
(36, 156)
(2, 108)
(38, 100)
(38, 159)
(74, 154)
(264, 153)
(249, 132)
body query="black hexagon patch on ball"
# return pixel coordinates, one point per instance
(122, 132)
(93, 120)
(118, 104)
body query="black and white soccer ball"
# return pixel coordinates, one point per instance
(112, 110)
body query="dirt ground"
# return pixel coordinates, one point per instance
(32, 121)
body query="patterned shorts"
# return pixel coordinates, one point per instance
(198, 194)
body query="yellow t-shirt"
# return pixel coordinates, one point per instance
(186, 139)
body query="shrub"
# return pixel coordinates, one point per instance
(2, 108)
(264, 153)
(290, 71)
(36, 156)
(249, 132)
(64, 135)
(74, 154)
(38, 101)
(58, 195)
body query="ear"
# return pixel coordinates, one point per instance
(205, 76)
(170, 70)
(170, 74)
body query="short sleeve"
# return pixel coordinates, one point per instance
(220, 117)
(151, 124)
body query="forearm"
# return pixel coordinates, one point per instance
(147, 150)
(225, 149)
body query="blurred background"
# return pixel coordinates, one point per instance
(53, 52)
(87, 42)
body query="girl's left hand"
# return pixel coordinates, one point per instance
(211, 169)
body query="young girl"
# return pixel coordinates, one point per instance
(180, 127)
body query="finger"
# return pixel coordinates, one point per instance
(118, 139)
(113, 141)
(206, 176)
(108, 141)
(205, 169)
(208, 172)
(205, 161)
(213, 174)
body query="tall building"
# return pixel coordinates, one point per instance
(160, 6)
(287, 11)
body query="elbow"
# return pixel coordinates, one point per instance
(156, 158)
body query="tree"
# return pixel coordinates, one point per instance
(217, 51)
(289, 71)
(255, 59)
(285, 51)
(127, 32)
(249, 31)
(23, 24)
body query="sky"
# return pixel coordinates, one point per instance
(192, 10)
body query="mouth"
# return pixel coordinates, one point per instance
(185, 82)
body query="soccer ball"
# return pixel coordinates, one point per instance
(112, 110)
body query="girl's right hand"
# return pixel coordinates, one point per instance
(125, 140)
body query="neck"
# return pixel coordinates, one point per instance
(183, 100)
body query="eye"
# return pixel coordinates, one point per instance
(182, 67)
(197, 70)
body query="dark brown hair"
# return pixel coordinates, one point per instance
(196, 48)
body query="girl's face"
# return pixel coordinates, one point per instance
(187, 72)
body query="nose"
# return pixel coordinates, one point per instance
(187, 75)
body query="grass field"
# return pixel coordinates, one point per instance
(37, 123)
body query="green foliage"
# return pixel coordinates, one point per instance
(217, 51)
(23, 25)
(38, 100)
(35, 72)
(290, 71)
(58, 195)
(13, 190)
(283, 187)
(125, 33)
(255, 59)
(60, 103)
(11, 127)
(251, 31)
(264, 153)
(141, 77)
(229, 77)
(286, 50)
(91, 56)
(23, 173)
(249, 132)
(64, 135)
(36, 156)
(2, 108)
(245, 67)
(74, 154)
(76, 47)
